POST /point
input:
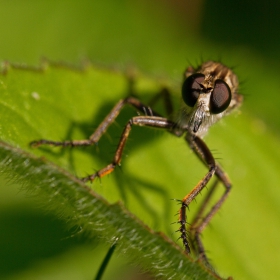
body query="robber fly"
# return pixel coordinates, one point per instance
(209, 92)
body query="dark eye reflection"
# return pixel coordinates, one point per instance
(191, 88)
(220, 97)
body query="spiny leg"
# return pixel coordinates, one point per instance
(185, 203)
(157, 122)
(199, 215)
(204, 153)
(197, 230)
(109, 119)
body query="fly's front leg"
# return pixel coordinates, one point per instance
(204, 153)
(199, 214)
(95, 137)
(158, 122)
(197, 228)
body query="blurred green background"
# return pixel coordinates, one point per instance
(159, 38)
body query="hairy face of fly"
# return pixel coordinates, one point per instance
(209, 93)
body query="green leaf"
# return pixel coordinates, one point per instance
(242, 239)
(58, 104)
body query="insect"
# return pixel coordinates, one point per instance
(209, 92)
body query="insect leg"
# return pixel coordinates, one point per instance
(197, 229)
(158, 122)
(109, 119)
(202, 151)
(200, 213)
(205, 155)
(164, 94)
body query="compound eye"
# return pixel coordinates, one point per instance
(191, 88)
(220, 97)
